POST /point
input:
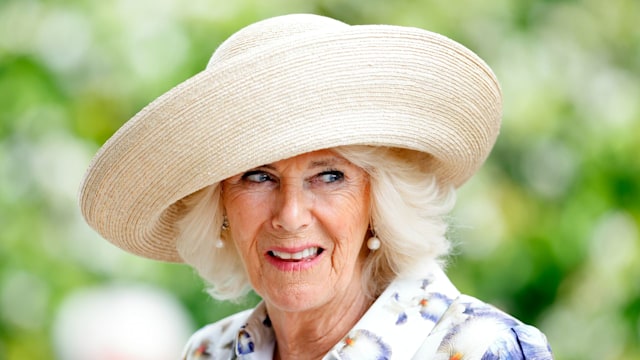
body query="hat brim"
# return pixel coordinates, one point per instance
(369, 85)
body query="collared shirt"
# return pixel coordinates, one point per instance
(414, 318)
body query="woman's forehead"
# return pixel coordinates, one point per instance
(311, 160)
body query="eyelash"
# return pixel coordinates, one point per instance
(339, 175)
(265, 176)
(246, 176)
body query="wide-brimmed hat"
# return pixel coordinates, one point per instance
(279, 88)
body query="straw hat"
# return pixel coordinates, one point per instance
(279, 88)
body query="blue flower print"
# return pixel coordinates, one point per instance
(398, 308)
(425, 284)
(402, 318)
(525, 342)
(489, 334)
(488, 311)
(433, 306)
(245, 344)
(364, 345)
(430, 305)
(532, 342)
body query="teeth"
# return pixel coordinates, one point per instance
(308, 252)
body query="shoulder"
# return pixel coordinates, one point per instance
(215, 341)
(472, 329)
(513, 338)
(522, 342)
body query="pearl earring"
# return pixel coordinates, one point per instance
(373, 243)
(223, 227)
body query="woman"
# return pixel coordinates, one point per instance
(313, 162)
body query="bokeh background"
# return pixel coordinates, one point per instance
(548, 230)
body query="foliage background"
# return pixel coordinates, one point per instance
(548, 230)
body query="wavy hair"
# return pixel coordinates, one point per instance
(408, 210)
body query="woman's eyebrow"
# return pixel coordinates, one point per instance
(267, 166)
(328, 162)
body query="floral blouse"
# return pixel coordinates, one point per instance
(423, 318)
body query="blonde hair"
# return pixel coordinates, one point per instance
(408, 210)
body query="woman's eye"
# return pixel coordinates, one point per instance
(331, 176)
(256, 176)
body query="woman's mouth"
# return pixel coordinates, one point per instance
(303, 255)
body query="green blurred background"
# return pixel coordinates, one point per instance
(548, 230)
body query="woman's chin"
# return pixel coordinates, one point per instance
(298, 286)
(297, 297)
(298, 303)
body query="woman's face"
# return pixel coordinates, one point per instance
(299, 225)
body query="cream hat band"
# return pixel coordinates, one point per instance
(279, 88)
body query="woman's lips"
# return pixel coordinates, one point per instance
(305, 254)
(294, 259)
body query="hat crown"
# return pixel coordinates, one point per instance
(266, 32)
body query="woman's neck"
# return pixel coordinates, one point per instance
(311, 334)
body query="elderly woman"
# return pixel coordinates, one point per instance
(313, 162)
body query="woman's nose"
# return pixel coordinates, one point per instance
(292, 212)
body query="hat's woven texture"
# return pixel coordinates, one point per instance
(280, 88)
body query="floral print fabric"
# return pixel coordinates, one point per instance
(425, 318)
